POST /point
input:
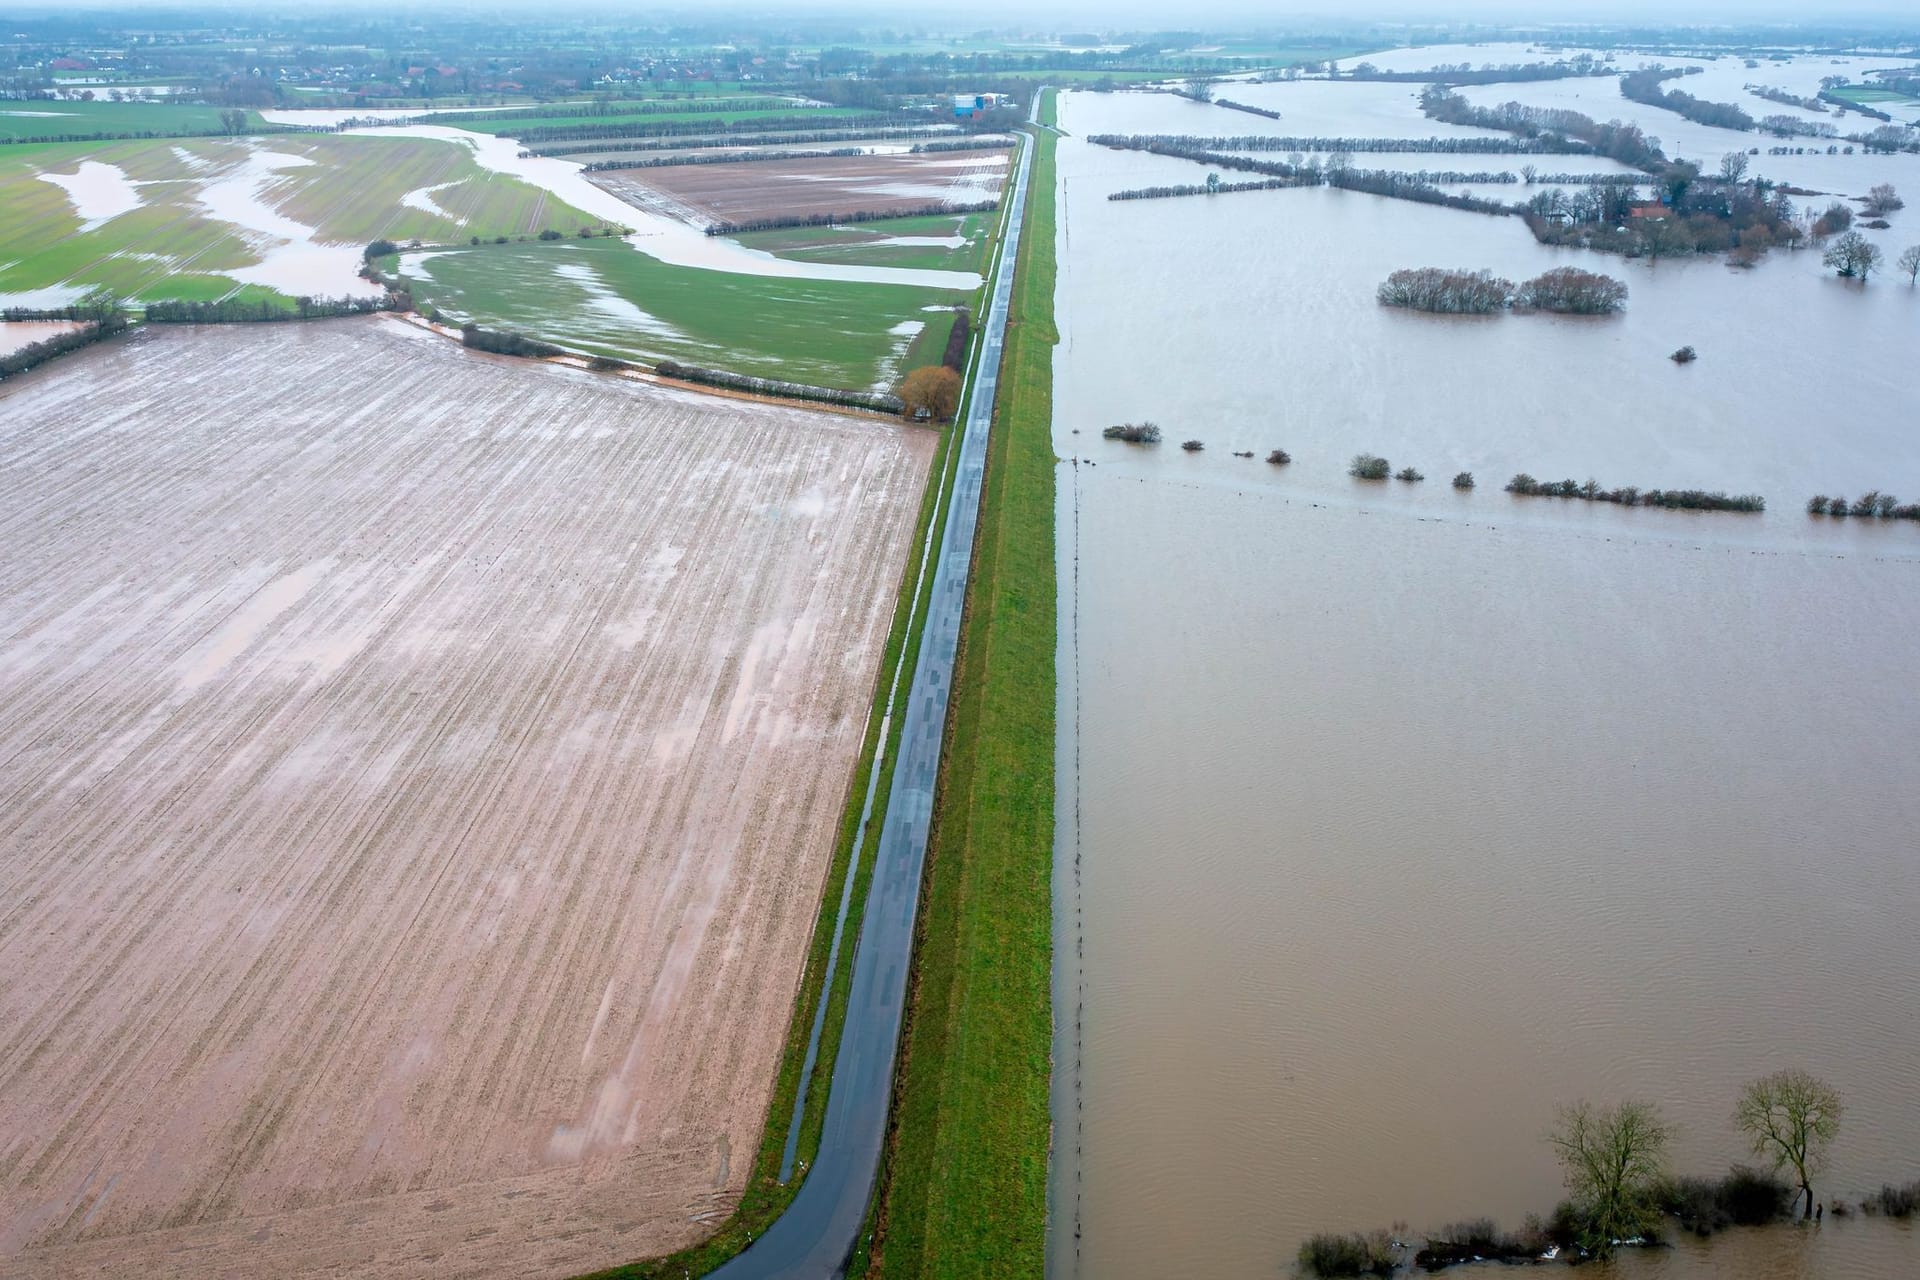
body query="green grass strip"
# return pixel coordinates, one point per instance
(966, 1181)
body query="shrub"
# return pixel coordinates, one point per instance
(1447, 292)
(1192, 446)
(379, 249)
(473, 239)
(1134, 433)
(1685, 355)
(548, 233)
(1571, 291)
(1817, 505)
(1329, 1255)
(1743, 1197)
(1367, 466)
(1408, 474)
(1894, 1202)
(605, 364)
(1463, 480)
(1279, 457)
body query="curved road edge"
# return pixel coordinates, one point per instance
(816, 1235)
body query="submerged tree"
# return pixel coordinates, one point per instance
(1791, 1118)
(1368, 466)
(934, 389)
(1615, 1160)
(1853, 256)
(1883, 200)
(1908, 263)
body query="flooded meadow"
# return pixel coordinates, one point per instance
(1394, 815)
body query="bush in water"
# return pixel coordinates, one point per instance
(1368, 466)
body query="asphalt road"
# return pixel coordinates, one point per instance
(816, 1235)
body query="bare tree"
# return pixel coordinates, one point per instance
(1791, 1117)
(933, 388)
(1908, 263)
(1853, 256)
(1615, 1159)
(1733, 166)
(1883, 200)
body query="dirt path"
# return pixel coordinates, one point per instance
(417, 773)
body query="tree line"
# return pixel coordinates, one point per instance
(681, 128)
(1631, 496)
(1466, 73)
(1380, 182)
(267, 311)
(779, 221)
(1213, 188)
(95, 326)
(1270, 142)
(702, 141)
(1872, 504)
(1644, 87)
(1625, 143)
(1231, 105)
(722, 157)
(878, 401)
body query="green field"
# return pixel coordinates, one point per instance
(604, 296)
(965, 1185)
(865, 243)
(30, 119)
(170, 247)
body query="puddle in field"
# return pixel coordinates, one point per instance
(290, 260)
(98, 192)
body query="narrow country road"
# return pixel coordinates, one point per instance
(817, 1234)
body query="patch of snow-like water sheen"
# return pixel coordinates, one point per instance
(903, 335)
(98, 192)
(602, 298)
(421, 198)
(655, 235)
(290, 260)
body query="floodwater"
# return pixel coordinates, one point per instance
(98, 192)
(15, 334)
(657, 235)
(1395, 816)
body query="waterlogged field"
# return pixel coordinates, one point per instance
(943, 242)
(421, 770)
(603, 297)
(1394, 816)
(741, 193)
(203, 218)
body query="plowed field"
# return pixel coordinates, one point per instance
(797, 188)
(417, 775)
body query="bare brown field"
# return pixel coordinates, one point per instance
(796, 188)
(419, 773)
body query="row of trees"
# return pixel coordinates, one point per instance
(1280, 142)
(1565, 290)
(1615, 1161)
(267, 311)
(1644, 86)
(533, 135)
(778, 221)
(38, 353)
(1466, 73)
(1632, 496)
(878, 401)
(1549, 128)
(699, 142)
(1872, 504)
(1211, 187)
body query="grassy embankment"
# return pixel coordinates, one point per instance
(170, 248)
(826, 333)
(765, 1199)
(965, 1184)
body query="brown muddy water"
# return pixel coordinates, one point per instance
(1394, 817)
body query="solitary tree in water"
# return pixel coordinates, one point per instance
(934, 388)
(1909, 263)
(1791, 1117)
(1615, 1159)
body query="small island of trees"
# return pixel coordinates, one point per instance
(1631, 496)
(1563, 290)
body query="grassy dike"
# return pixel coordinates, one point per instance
(964, 1187)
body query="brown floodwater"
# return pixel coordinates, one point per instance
(1394, 817)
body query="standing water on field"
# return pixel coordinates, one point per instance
(1395, 815)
